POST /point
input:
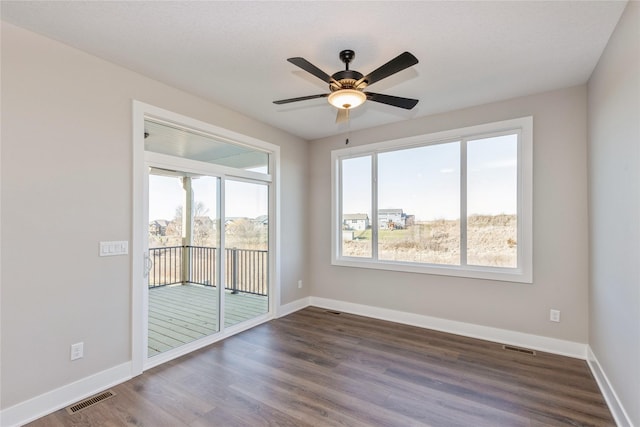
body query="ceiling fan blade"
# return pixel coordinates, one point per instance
(396, 101)
(301, 98)
(343, 115)
(399, 63)
(312, 69)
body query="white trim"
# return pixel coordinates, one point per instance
(141, 111)
(275, 287)
(139, 206)
(51, 401)
(504, 336)
(293, 306)
(615, 406)
(522, 274)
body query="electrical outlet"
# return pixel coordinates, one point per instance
(554, 315)
(77, 351)
(299, 284)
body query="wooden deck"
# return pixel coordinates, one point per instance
(180, 314)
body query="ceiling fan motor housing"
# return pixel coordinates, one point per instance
(347, 80)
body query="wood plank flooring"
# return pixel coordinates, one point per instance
(180, 314)
(318, 368)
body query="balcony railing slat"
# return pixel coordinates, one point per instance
(246, 269)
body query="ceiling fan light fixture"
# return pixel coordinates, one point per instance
(347, 99)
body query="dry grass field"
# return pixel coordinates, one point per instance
(492, 241)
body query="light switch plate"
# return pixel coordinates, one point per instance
(120, 247)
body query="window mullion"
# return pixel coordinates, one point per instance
(339, 212)
(374, 206)
(463, 202)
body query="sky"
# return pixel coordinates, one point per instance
(425, 181)
(243, 199)
(422, 181)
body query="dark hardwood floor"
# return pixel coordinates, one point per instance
(319, 368)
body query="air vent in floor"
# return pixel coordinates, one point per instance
(519, 350)
(77, 407)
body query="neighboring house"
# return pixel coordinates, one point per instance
(158, 227)
(357, 221)
(393, 218)
(174, 228)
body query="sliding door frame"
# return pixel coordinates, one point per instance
(141, 161)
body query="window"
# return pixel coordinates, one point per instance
(453, 203)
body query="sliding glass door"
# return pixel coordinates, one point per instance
(184, 244)
(246, 250)
(208, 240)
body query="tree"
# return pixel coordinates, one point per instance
(202, 227)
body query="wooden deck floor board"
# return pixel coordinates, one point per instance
(189, 328)
(180, 314)
(199, 315)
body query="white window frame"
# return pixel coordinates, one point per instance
(141, 158)
(523, 273)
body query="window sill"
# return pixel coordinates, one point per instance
(486, 273)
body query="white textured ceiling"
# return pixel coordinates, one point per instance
(234, 53)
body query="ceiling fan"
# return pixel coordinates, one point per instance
(347, 86)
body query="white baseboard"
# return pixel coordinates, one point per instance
(504, 336)
(615, 406)
(292, 307)
(56, 399)
(53, 400)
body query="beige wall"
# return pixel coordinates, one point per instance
(66, 185)
(614, 211)
(559, 221)
(66, 172)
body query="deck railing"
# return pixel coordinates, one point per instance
(166, 267)
(246, 270)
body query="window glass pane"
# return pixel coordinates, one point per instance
(174, 141)
(419, 204)
(492, 201)
(166, 198)
(247, 215)
(246, 254)
(184, 265)
(356, 207)
(205, 225)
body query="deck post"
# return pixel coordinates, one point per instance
(234, 270)
(187, 228)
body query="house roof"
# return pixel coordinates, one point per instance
(233, 53)
(356, 216)
(390, 211)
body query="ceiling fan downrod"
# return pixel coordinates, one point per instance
(347, 78)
